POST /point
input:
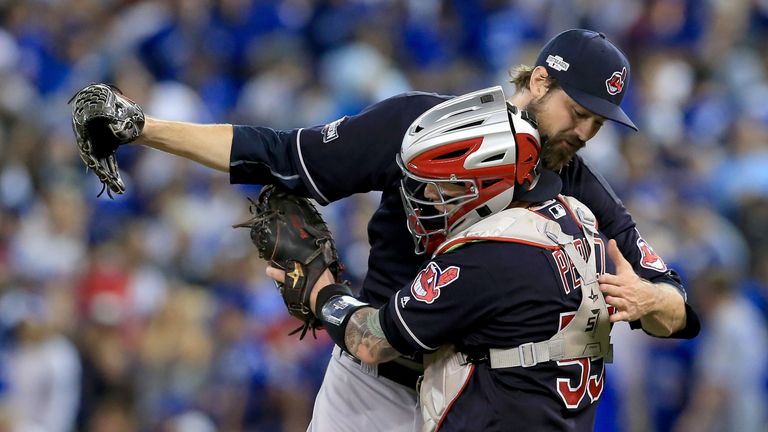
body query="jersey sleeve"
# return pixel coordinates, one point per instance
(261, 155)
(450, 296)
(353, 154)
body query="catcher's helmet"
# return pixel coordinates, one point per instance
(478, 141)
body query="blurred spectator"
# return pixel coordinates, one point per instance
(50, 241)
(728, 391)
(174, 355)
(741, 173)
(113, 413)
(190, 421)
(42, 366)
(108, 399)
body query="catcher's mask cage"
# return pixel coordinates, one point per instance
(478, 141)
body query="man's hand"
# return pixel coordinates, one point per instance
(632, 296)
(325, 279)
(659, 307)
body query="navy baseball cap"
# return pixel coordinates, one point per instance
(591, 70)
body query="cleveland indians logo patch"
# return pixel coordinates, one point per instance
(426, 286)
(650, 259)
(615, 84)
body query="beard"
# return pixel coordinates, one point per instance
(557, 153)
(557, 149)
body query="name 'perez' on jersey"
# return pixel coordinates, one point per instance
(568, 275)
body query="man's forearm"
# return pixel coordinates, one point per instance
(361, 334)
(366, 340)
(668, 314)
(209, 145)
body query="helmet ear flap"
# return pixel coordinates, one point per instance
(528, 145)
(528, 150)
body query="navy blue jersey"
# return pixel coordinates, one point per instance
(356, 154)
(494, 294)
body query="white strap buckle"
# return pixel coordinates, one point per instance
(527, 354)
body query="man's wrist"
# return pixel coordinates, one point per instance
(658, 294)
(662, 295)
(334, 308)
(326, 293)
(666, 313)
(150, 125)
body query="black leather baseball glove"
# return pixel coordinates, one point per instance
(289, 233)
(103, 119)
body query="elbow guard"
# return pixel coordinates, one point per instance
(335, 306)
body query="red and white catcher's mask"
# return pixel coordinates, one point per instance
(480, 142)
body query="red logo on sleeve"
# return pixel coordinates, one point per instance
(650, 259)
(426, 286)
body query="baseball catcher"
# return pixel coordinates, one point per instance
(103, 119)
(289, 232)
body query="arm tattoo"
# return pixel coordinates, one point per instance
(365, 338)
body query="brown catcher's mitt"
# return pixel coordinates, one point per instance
(103, 119)
(289, 233)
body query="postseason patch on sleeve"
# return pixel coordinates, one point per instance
(331, 130)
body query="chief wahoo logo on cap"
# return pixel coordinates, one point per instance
(615, 84)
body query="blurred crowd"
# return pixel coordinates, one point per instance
(150, 313)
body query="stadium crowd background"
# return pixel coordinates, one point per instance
(150, 313)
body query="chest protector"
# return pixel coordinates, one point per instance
(587, 335)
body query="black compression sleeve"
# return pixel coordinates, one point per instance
(334, 307)
(329, 291)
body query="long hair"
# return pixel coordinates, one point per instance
(520, 77)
